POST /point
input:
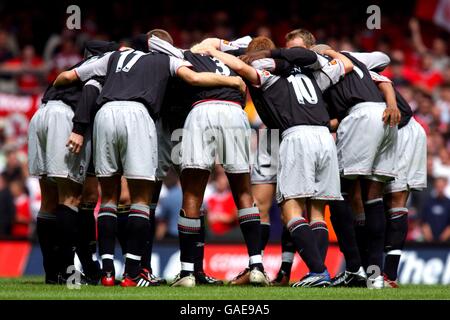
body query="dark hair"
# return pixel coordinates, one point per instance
(162, 34)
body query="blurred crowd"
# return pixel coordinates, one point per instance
(32, 54)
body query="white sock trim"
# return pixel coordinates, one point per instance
(374, 201)
(187, 266)
(397, 252)
(107, 256)
(106, 214)
(74, 208)
(255, 259)
(287, 257)
(132, 257)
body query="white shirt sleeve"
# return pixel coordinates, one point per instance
(177, 63)
(330, 74)
(94, 83)
(157, 44)
(267, 64)
(93, 67)
(376, 77)
(372, 60)
(235, 44)
(266, 79)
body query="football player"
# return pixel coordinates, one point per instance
(63, 225)
(411, 176)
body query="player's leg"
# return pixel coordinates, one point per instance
(360, 224)
(69, 197)
(46, 228)
(153, 203)
(148, 249)
(264, 179)
(355, 156)
(342, 220)
(319, 226)
(287, 259)
(138, 148)
(87, 230)
(200, 276)
(123, 210)
(46, 219)
(322, 173)
(372, 195)
(197, 160)
(193, 184)
(396, 232)
(249, 221)
(305, 243)
(107, 226)
(138, 226)
(108, 171)
(263, 195)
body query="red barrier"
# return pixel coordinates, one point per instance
(13, 257)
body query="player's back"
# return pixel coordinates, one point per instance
(68, 94)
(204, 63)
(287, 101)
(356, 87)
(137, 76)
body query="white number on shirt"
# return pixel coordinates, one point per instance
(131, 63)
(221, 67)
(303, 88)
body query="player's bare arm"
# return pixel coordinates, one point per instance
(66, 78)
(209, 79)
(243, 69)
(348, 64)
(210, 42)
(392, 114)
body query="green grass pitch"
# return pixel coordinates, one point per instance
(34, 289)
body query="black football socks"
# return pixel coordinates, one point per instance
(46, 232)
(123, 210)
(107, 228)
(87, 244)
(189, 231)
(320, 231)
(376, 227)
(342, 220)
(287, 251)
(138, 230)
(146, 260)
(249, 221)
(198, 263)
(361, 237)
(66, 221)
(396, 232)
(306, 244)
(265, 235)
